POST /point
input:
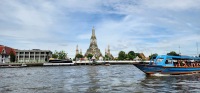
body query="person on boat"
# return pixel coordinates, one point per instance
(188, 63)
(178, 63)
(198, 63)
(182, 63)
(166, 62)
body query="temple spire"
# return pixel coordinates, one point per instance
(93, 31)
(93, 37)
(93, 48)
(81, 51)
(105, 51)
(77, 51)
(108, 49)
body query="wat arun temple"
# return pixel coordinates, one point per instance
(93, 48)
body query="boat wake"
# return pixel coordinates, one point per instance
(160, 75)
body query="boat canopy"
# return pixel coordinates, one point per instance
(167, 60)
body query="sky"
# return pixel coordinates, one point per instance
(143, 26)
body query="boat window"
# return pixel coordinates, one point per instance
(159, 60)
(169, 61)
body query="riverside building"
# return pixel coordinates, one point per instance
(5, 53)
(34, 55)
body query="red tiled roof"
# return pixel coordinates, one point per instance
(1, 49)
(7, 49)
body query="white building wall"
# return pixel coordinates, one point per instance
(1, 59)
(32, 55)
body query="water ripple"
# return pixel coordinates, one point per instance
(100, 79)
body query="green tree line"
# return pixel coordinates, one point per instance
(59, 54)
(129, 56)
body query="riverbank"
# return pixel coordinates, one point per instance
(74, 63)
(20, 64)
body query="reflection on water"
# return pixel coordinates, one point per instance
(114, 78)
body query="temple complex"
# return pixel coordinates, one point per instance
(107, 52)
(77, 50)
(93, 48)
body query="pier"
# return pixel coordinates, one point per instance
(109, 61)
(74, 63)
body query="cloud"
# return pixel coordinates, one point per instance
(175, 5)
(156, 26)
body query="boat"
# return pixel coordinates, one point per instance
(107, 64)
(24, 65)
(59, 62)
(171, 65)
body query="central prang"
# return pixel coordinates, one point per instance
(93, 48)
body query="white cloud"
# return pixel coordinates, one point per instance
(175, 5)
(149, 26)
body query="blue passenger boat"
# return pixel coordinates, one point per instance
(172, 65)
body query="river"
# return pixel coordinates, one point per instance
(100, 79)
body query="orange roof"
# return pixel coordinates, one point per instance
(1, 49)
(7, 49)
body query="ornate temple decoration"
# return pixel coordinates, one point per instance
(93, 48)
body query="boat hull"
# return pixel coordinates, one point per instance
(153, 69)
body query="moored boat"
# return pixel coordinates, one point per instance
(172, 65)
(58, 62)
(107, 64)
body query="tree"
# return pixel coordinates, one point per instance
(55, 54)
(153, 56)
(131, 55)
(121, 55)
(12, 56)
(62, 55)
(172, 53)
(89, 56)
(79, 56)
(59, 55)
(106, 57)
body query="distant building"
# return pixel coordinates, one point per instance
(5, 53)
(93, 48)
(142, 56)
(77, 51)
(107, 52)
(34, 55)
(137, 58)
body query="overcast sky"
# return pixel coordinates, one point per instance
(148, 26)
